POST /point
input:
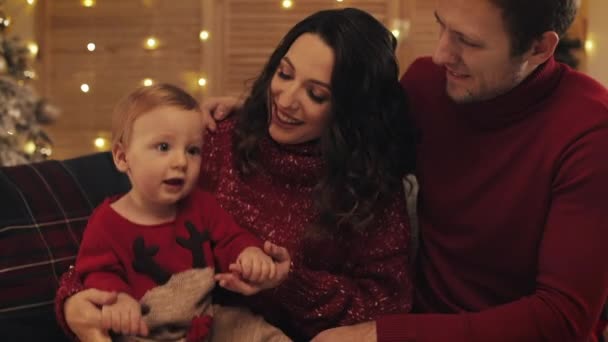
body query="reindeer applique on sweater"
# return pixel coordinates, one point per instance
(180, 306)
(169, 268)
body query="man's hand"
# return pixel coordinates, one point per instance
(362, 332)
(218, 108)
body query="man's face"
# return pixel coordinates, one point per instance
(475, 49)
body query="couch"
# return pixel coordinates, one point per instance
(44, 208)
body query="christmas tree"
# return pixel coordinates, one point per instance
(22, 111)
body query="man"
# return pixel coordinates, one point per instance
(513, 177)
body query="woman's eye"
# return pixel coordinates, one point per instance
(318, 98)
(283, 75)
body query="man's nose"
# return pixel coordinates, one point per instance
(445, 51)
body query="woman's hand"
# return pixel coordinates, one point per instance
(218, 108)
(362, 332)
(83, 314)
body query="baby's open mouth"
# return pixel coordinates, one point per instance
(174, 181)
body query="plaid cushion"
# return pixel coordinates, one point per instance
(44, 208)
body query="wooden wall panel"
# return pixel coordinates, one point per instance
(422, 34)
(119, 63)
(243, 33)
(252, 29)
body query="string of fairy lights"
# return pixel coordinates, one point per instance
(101, 142)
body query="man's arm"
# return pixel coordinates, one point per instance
(572, 281)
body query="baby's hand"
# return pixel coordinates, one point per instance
(236, 282)
(123, 317)
(255, 266)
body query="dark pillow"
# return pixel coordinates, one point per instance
(44, 208)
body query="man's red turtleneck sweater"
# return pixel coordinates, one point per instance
(513, 210)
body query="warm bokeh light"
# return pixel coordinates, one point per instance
(147, 82)
(589, 46)
(202, 81)
(31, 74)
(31, 2)
(151, 43)
(84, 88)
(396, 33)
(204, 35)
(29, 147)
(88, 3)
(91, 47)
(47, 151)
(33, 47)
(100, 143)
(287, 4)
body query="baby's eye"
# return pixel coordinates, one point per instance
(163, 147)
(194, 150)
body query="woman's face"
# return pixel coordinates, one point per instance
(300, 91)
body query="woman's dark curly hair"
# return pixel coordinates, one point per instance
(368, 144)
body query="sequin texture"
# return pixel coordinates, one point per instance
(332, 283)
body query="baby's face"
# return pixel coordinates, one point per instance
(164, 154)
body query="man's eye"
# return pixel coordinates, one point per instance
(467, 42)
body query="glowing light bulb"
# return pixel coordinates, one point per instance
(47, 151)
(202, 81)
(151, 43)
(33, 47)
(85, 88)
(204, 35)
(287, 4)
(589, 45)
(91, 47)
(88, 3)
(396, 33)
(147, 82)
(31, 2)
(31, 74)
(100, 143)
(29, 147)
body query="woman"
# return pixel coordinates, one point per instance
(314, 161)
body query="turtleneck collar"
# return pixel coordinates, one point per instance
(299, 164)
(515, 104)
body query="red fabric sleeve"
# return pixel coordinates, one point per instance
(97, 263)
(378, 280)
(228, 238)
(572, 278)
(69, 284)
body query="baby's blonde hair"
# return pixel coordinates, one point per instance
(143, 100)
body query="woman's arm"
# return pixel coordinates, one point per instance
(78, 311)
(376, 279)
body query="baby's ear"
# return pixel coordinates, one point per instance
(119, 154)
